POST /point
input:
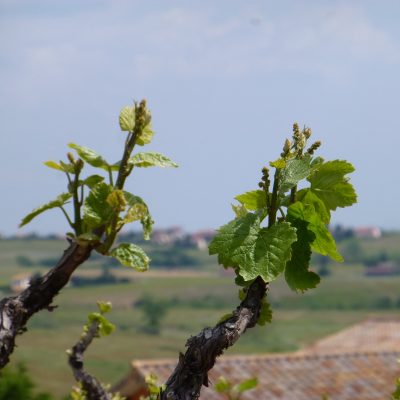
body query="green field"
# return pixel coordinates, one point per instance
(197, 299)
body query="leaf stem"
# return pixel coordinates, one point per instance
(293, 192)
(77, 205)
(68, 177)
(110, 175)
(274, 199)
(124, 169)
(67, 217)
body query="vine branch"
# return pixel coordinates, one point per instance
(94, 390)
(191, 373)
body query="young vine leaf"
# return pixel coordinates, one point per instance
(151, 159)
(253, 200)
(61, 200)
(130, 255)
(330, 184)
(286, 245)
(101, 207)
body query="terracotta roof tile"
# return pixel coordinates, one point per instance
(350, 376)
(358, 363)
(371, 335)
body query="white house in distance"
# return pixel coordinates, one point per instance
(367, 232)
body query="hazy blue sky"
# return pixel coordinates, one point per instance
(225, 80)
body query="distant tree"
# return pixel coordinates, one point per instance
(15, 384)
(24, 261)
(154, 312)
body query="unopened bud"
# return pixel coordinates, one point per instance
(313, 147)
(287, 146)
(71, 158)
(307, 132)
(80, 164)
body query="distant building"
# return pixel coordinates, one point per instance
(167, 235)
(201, 239)
(358, 363)
(367, 232)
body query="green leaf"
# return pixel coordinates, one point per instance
(54, 165)
(137, 212)
(293, 172)
(145, 218)
(323, 242)
(147, 224)
(297, 275)
(104, 306)
(256, 252)
(239, 210)
(222, 385)
(146, 135)
(90, 156)
(234, 242)
(127, 118)
(272, 251)
(67, 167)
(278, 164)
(96, 210)
(253, 200)
(58, 202)
(131, 255)
(105, 326)
(151, 159)
(330, 184)
(246, 385)
(309, 198)
(92, 180)
(265, 313)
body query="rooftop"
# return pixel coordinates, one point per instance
(358, 363)
(372, 335)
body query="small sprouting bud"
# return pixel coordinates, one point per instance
(302, 142)
(287, 146)
(79, 164)
(143, 104)
(143, 116)
(265, 171)
(71, 158)
(307, 132)
(261, 185)
(313, 148)
(296, 135)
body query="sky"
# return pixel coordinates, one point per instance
(224, 80)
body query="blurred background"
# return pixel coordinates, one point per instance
(224, 81)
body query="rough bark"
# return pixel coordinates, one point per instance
(203, 349)
(15, 311)
(92, 387)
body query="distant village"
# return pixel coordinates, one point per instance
(169, 249)
(175, 235)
